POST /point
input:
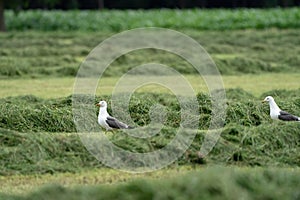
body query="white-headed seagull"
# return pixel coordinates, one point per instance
(108, 122)
(277, 113)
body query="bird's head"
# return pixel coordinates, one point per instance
(102, 104)
(268, 99)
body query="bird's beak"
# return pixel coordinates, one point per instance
(98, 104)
(263, 101)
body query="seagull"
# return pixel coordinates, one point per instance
(277, 113)
(108, 122)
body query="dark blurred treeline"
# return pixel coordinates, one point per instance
(149, 4)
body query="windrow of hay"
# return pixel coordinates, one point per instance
(59, 54)
(29, 113)
(34, 138)
(40, 153)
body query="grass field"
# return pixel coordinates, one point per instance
(59, 54)
(211, 183)
(112, 20)
(257, 54)
(61, 87)
(17, 184)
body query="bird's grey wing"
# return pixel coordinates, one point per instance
(114, 123)
(285, 116)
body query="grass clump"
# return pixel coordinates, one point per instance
(29, 113)
(266, 145)
(40, 153)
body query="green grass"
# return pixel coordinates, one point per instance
(29, 113)
(24, 184)
(59, 54)
(112, 20)
(41, 145)
(203, 183)
(37, 132)
(61, 87)
(31, 157)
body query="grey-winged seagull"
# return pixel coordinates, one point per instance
(108, 122)
(277, 113)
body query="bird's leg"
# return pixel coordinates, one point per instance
(107, 132)
(150, 145)
(113, 134)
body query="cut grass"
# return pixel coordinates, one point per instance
(61, 87)
(203, 183)
(239, 52)
(49, 155)
(248, 139)
(44, 88)
(23, 184)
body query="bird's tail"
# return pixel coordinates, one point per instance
(130, 127)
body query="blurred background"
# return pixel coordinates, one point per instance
(14, 7)
(146, 4)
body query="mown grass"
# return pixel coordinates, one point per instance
(272, 145)
(24, 184)
(37, 136)
(112, 20)
(205, 183)
(59, 54)
(32, 145)
(61, 87)
(30, 113)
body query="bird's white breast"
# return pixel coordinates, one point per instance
(274, 114)
(274, 110)
(102, 119)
